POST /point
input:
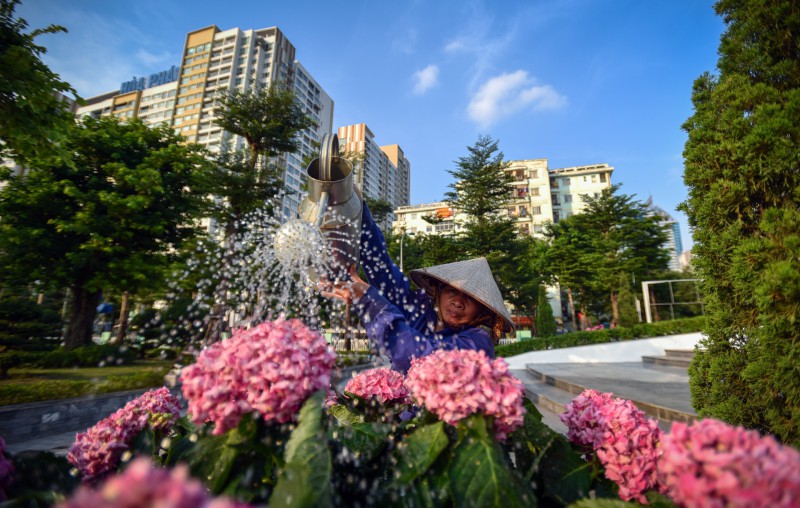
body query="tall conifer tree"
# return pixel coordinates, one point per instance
(743, 173)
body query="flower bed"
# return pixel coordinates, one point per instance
(265, 429)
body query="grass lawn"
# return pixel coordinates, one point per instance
(32, 385)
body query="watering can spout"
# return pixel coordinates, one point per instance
(333, 206)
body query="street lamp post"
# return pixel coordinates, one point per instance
(401, 251)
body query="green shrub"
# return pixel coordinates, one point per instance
(87, 356)
(163, 353)
(19, 391)
(22, 319)
(639, 331)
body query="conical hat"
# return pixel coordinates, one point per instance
(472, 277)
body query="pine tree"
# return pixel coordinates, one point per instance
(545, 323)
(742, 161)
(482, 191)
(628, 316)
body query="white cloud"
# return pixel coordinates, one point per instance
(509, 93)
(455, 46)
(426, 79)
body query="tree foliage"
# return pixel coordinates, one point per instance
(588, 252)
(624, 238)
(269, 119)
(482, 191)
(111, 217)
(32, 116)
(742, 168)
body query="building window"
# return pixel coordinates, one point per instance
(534, 173)
(568, 198)
(554, 183)
(603, 178)
(534, 191)
(554, 198)
(536, 210)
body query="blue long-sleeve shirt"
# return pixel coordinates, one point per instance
(400, 321)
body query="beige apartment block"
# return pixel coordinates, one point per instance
(381, 172)
(538, 195)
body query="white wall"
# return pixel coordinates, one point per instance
(612, 352)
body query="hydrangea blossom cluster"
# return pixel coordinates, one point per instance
(455, 384)
(270, 369)
(141, 484)
(710, 463)
(98, 450)
(384, 384)
(6, 470)
(625, 440)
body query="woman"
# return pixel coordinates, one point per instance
(456, 302)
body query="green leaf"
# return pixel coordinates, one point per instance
(420, 450)
(305, 478)
(366, 440)
(547, 460)
(479, 476)
(345, 415)
(601, 503)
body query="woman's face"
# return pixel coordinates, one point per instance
(456, 307)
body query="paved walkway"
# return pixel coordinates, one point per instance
(663, 386)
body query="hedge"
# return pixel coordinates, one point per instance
(572, 339)
(54, 389)
(88, 356)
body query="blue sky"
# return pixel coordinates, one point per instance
(574, 81)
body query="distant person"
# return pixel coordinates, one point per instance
(459, 305)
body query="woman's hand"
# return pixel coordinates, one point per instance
(346, 290)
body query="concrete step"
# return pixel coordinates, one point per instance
(661, 392)
(679, 353)
(668, 361)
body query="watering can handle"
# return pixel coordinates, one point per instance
(328, 150)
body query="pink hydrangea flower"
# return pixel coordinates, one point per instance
(98, 450)
(710, 463)
(455, 384)
(384, 384)
(625, 440)
(6, 470)
(141, 484)
(584, 421)
(270, 370)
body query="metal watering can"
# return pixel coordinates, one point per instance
(331, 209)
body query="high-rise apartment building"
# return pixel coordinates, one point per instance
(216, 62)
(673, 245)
(381, 172)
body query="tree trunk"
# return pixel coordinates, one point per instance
(615, 306)
(82, 312)
(122, 323)
(572, 310)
